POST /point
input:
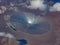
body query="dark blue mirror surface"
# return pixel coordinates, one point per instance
(33, 26)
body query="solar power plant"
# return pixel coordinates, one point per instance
(29, 22)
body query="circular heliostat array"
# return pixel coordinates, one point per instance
(28, 23)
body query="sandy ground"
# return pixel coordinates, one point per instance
(50, 38)
(47, 39)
